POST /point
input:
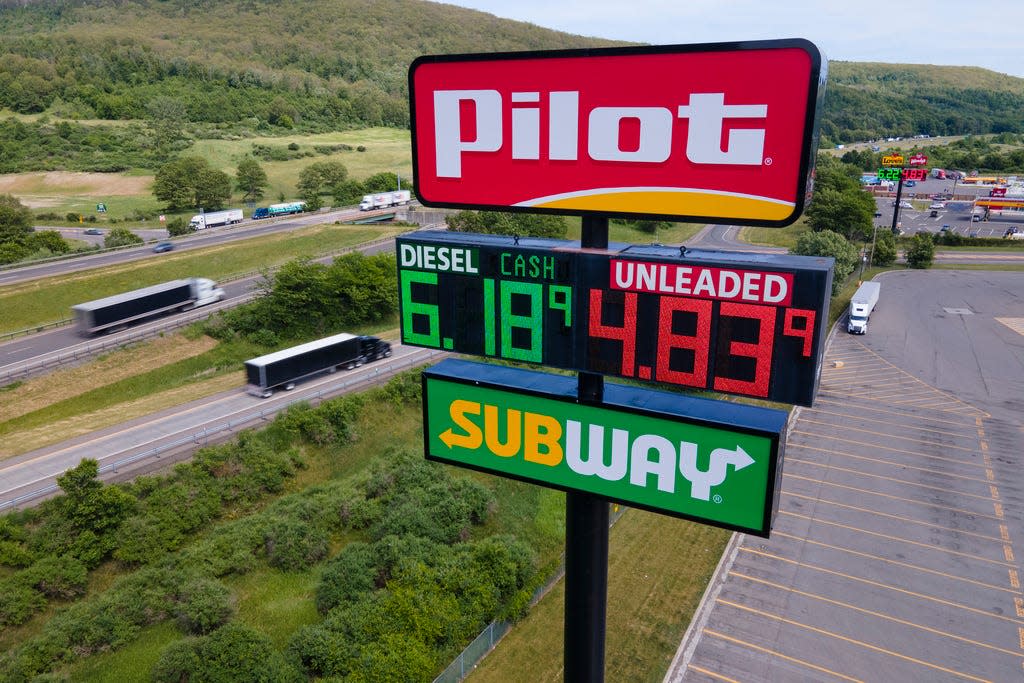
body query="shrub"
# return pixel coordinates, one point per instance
(293, 544)
(15, 554)
(71, 216)
(121, 237)
(921, 251)
(347, 577)
(18, 602)
(204, 604)
(56, 577)
(231, 653)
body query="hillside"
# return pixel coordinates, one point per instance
(219, 67)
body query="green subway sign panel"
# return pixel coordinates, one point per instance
(711, 461)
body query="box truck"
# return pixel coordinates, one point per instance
(383, 200)
(861, 306)
(119, 310)
(214, 218)
(282, 369)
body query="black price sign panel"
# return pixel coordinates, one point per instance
(747, 324)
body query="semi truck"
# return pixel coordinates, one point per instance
(120, 310)
(285, 209)
(861, 306)
(283, 369)
(383, 200)
(214, 218)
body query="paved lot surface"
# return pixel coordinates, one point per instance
(896, 553)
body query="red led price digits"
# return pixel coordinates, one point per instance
(699, 342)
(625, 334)
(760, 351)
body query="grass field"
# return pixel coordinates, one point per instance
(658, 568)
(25, 306)
(124, 194)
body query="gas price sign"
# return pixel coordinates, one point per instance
(751, 324)
(712, 461)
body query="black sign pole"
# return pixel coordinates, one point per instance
(896, 208)
(586, 540)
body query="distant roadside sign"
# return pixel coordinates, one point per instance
(101, 208)
(918, 160)
(892, 160)
(711, 461)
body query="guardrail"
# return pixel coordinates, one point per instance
(221, 431)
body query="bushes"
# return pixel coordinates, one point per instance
(231, 653)
(121, 237)
(203, 605)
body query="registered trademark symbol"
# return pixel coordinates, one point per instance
(717, 498)
(768, 161)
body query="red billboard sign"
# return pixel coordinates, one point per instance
(720, 132)
(918, 160)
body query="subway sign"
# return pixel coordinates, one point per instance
(711, 461)
(723, 132)
(744, 324)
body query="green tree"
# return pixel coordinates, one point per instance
(829, 243)
(321, 177)
(885, 249)
(167, 117)
(251, 179)
(15, 219)
(121, 237)
(179, 226)
(190, 183)
(921, 251)
(506, 223)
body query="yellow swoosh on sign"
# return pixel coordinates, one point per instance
(670, 202)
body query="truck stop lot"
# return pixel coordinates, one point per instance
(896, 553)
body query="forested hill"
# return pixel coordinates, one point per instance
(330, 64)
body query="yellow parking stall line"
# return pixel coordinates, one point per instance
(1008, 553)
(1004, 532)
(899, 563)
(852, 641)
(873, 613)
(905, 398)
(884, 478)
(1014, 578)
(883, 360)
(811, 412)
(880, 461)
(885, 586)
(878, 386)
(889, 410)
(886, 435)
(901, 518)
(942, 403)
(1018, 604)
(774, 653)
(928, 456)
(712, 674)
(872, 445)
(898, 539)
(892, 497)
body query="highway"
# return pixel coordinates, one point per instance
(244, 230)
(154, 441)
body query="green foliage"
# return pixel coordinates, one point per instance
(190, 183)
(178, 226)
(293, 544)
(321, 177)
(231, 653)
(308, 300)
(829, 243)
(502, 223)
(251, 179)
(203, 605)
(885, 249)
(921, 251)
(15, 219)
(838, 203)
(121, 237)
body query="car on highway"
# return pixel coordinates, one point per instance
(903, 204)
(161, 247)
(93, 231)
(910, 183)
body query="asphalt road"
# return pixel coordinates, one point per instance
(153, 441)
(896, 551)
(206, 238)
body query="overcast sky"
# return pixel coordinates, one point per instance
(956, 32)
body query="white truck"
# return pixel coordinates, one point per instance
(214, 218)
(121, 310)
(383, 200)
(861, 306)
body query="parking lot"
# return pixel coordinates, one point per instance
(956, 214)
(895, 555)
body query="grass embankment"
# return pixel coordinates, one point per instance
(774, 237)
(658, 568)
(46, 300)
